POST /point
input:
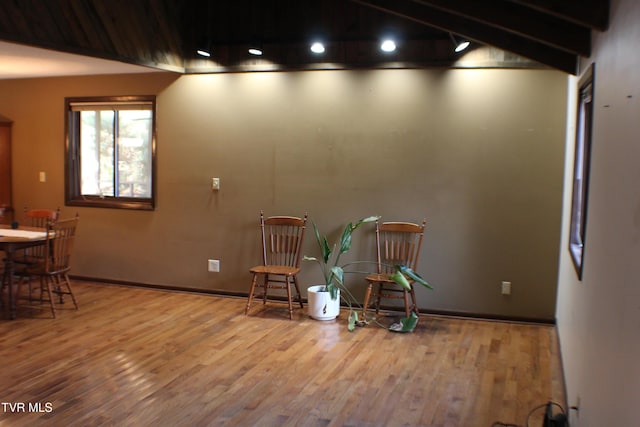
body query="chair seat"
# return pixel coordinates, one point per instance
(388, 288)
(380, 277)
(280, 270)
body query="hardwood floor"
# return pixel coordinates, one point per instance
(140, 357)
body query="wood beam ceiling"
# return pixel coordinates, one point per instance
(158, 33)
(551, 33)
(593, 14)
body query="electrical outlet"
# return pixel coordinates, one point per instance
(506, 288)
(214, 265)
(215, 183)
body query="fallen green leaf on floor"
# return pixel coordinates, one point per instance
(406, 324)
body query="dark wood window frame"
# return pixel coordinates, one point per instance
(73, 194)
(582, 157)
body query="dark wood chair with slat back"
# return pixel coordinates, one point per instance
(282, 238)
(40, 217)
(53, 270)
(397, 243)
(36, 218)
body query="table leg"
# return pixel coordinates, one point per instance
(8, 276)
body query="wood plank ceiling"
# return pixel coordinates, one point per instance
(164, 34)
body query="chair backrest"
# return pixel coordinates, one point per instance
(60, 241)
(282, 239)
(398, 243)
(40, 217)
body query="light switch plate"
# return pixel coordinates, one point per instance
(214, 265)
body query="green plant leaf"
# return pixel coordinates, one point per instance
(322, 243)
(365, 220)
(333, 290)
(345, 239)
(406, 324)
(413, 275)
(353, 320)
(401, 280)
(338, 274)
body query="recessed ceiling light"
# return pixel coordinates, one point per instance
(255, 51)
(462, 46)
(388, 45)
(203, 52)
(317, 47)
(459, 43)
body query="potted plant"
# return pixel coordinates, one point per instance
(324, 299)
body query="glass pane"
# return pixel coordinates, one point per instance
(96, 153)
(134, 153)
(581, 171)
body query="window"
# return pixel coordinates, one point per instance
(110, 152)
(581, 170)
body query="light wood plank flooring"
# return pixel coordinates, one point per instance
(140, 357)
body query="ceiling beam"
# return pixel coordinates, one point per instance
(591, 13)
(520, 20)
(138, 32)
(474, 30)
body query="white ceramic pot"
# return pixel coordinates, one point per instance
(320, 305)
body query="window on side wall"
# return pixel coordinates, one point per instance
(110, 155)
(581, 170)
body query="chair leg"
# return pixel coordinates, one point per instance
(379, 297)
(266, 286)
(67, 283)
(21, 281)
(406, 303)
(413, 299)
(251, 290)
(42, 284)
(365, 306)
(58, 289)
(288, 285)
(50, 292)
(4, 276)
(29, 288)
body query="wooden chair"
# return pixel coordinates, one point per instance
(53, 269)
(282, 238)
(33, 218)
(40, 217)
(36, 218)
(397, 243)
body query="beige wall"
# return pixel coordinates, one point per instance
(478, 152)
(599, 317)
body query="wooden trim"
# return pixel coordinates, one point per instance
(388, 309)
(73, 195)
(558, 344)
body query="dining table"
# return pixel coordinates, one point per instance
(13, 239)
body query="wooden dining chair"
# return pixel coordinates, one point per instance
(282, 238)
(53, 270)
(36, 218)
(397, 243)
(40, 217)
